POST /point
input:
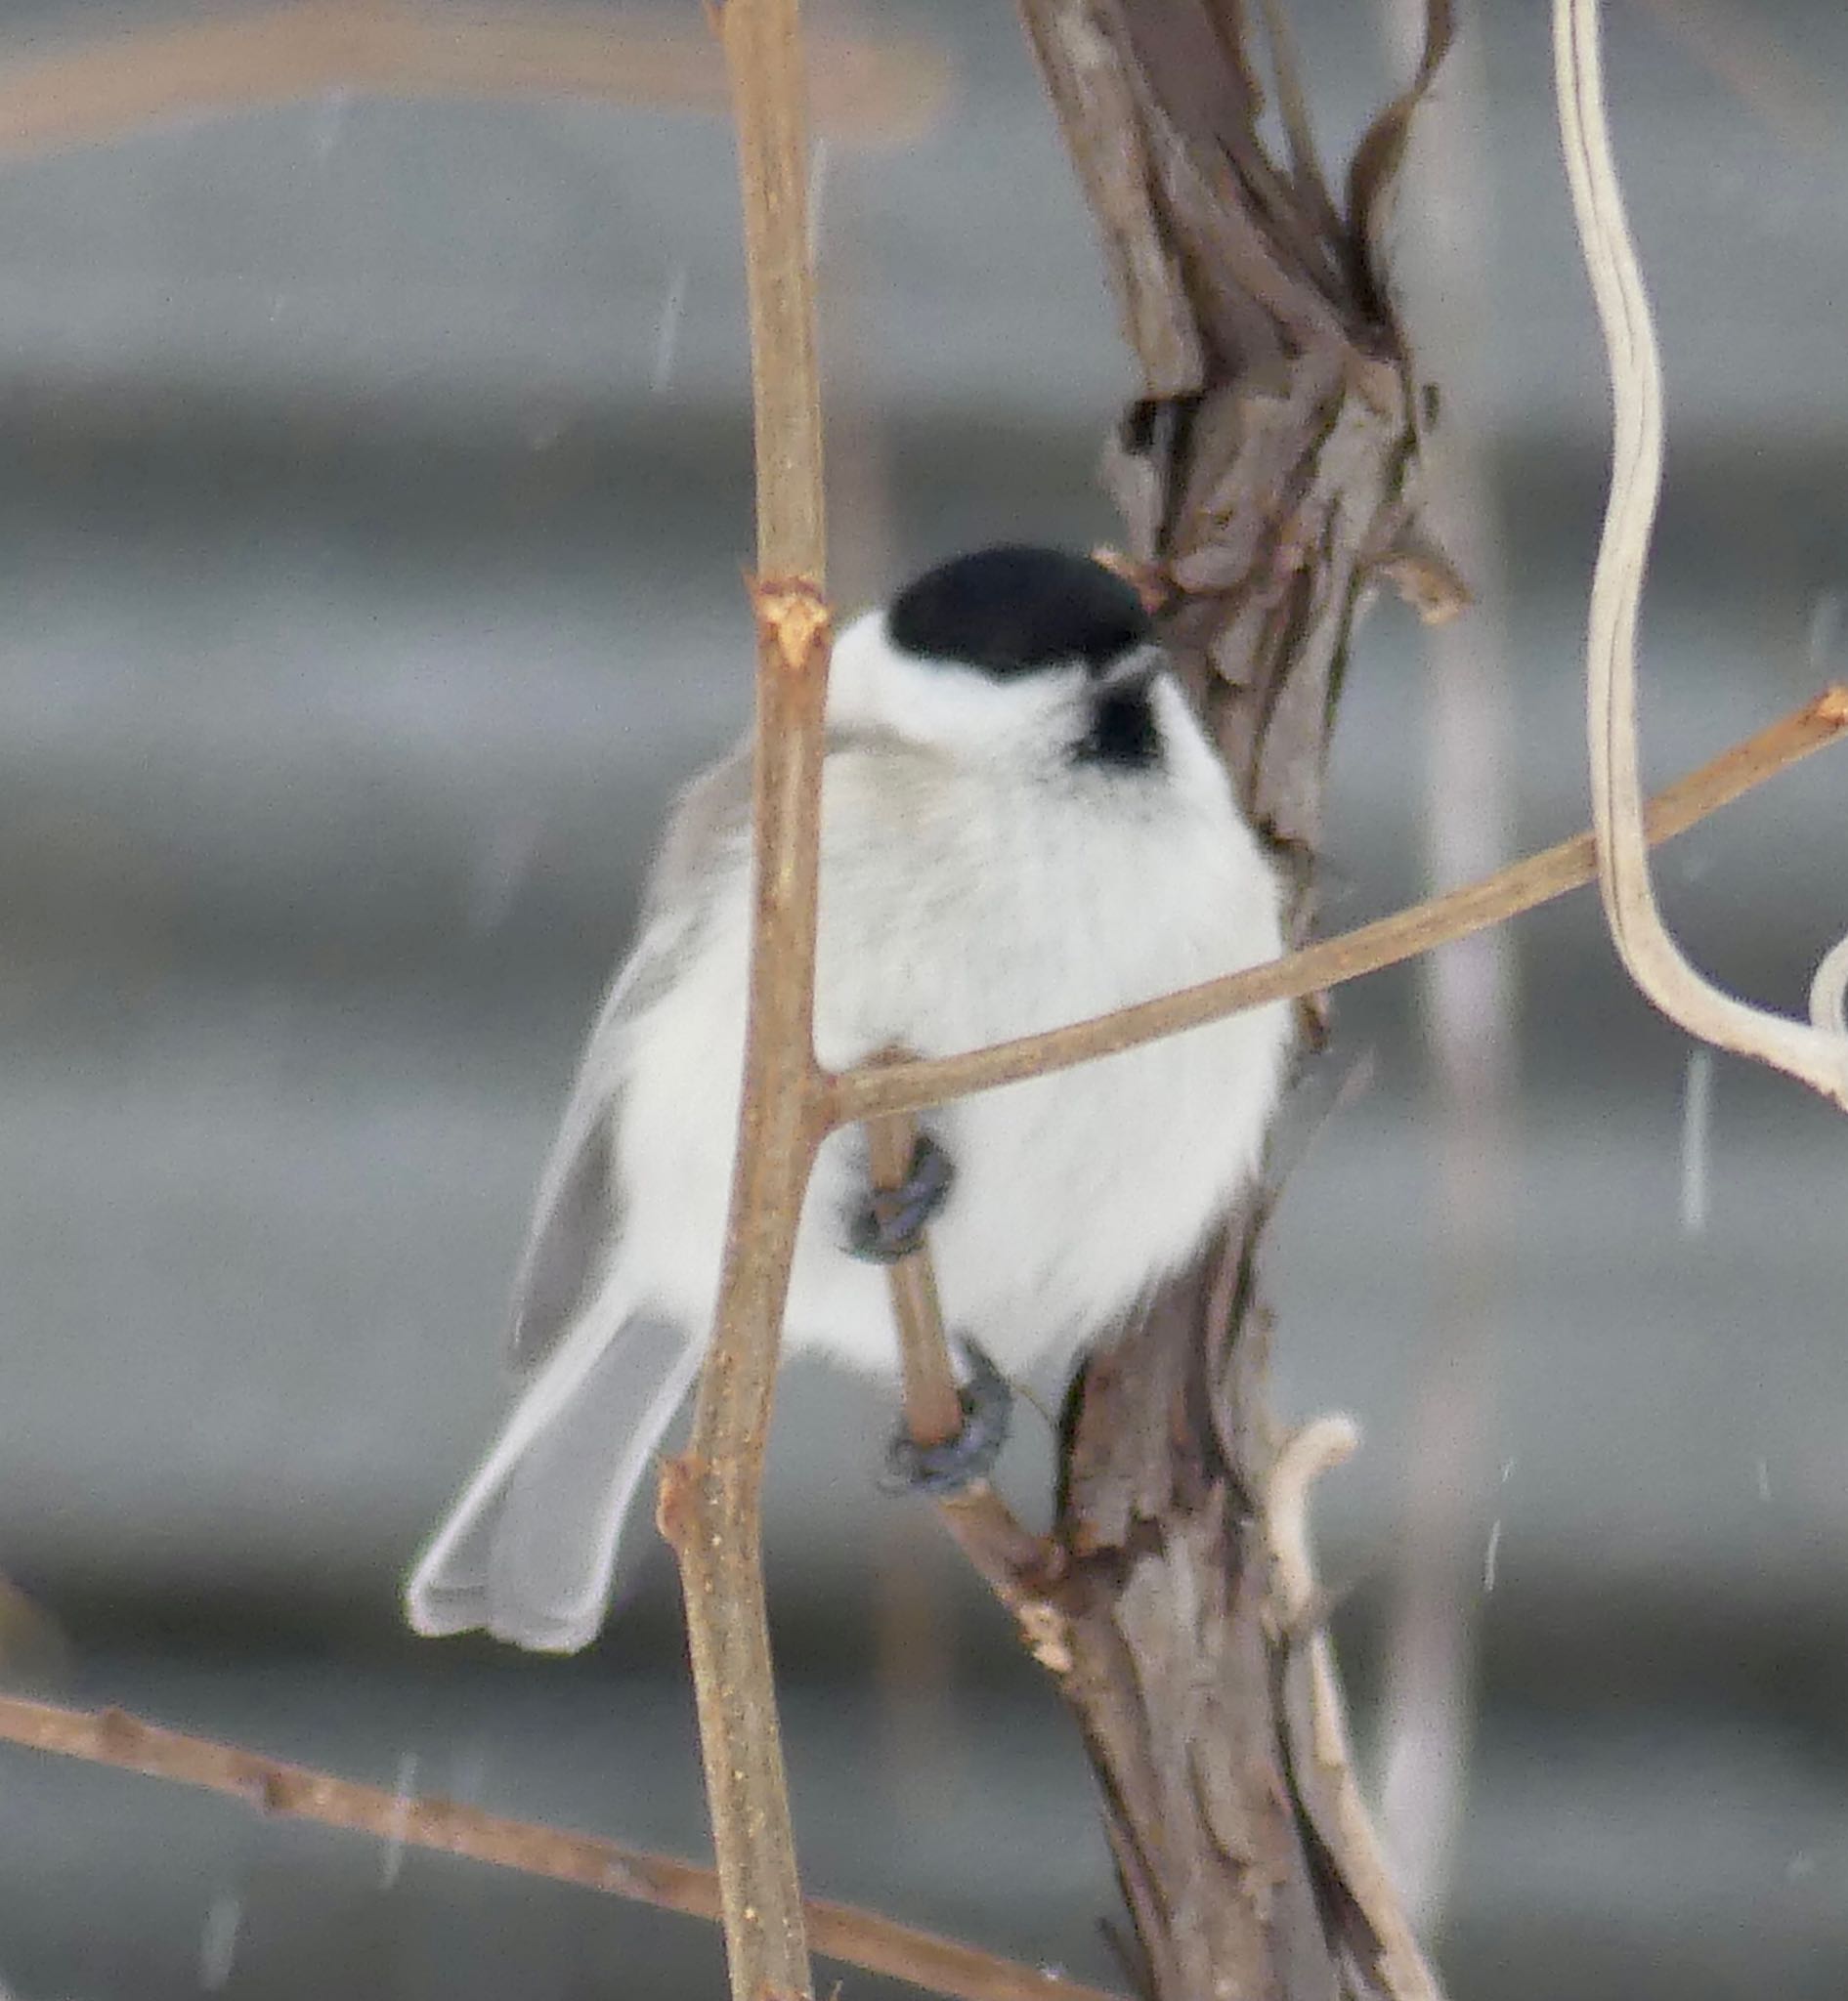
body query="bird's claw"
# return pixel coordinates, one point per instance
(892, 1222)
(940, 1470)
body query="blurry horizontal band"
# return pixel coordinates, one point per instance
(884, 92)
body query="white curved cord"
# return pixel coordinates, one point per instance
(1322, 1444)
(1828, 993)
(1815, 1051)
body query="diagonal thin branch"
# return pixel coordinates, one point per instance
(912, 1087)
(856, 1938)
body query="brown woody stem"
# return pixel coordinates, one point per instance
(709, 1496)
(298, 1792)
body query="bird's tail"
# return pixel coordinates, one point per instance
(529, 1550)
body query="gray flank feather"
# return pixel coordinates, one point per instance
(578, 1215)
(573, 1235)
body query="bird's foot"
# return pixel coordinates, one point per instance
(892, 1222)
(939, 1471)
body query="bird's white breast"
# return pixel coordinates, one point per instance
(963, 906)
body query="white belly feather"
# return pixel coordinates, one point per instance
(1074, 1193)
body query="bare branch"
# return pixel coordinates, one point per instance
(298, 1792)
(912, 1087)
(710, 1507)
(710, 1495)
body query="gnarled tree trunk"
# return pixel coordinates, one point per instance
(1264, 480)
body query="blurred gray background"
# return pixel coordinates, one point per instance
(374, 489)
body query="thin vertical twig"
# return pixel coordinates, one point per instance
(710, 1495)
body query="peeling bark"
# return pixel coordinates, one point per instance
(1264, 479)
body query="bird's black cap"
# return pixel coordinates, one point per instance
(1015, 609)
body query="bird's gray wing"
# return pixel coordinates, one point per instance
(572, 1234)
(529, 1550)
(578, 1214)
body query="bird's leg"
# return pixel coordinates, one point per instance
(890, 1223)
(947, 1469)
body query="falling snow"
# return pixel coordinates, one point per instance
(1492, 1556)
(218, 1942)
(673, 308)
(470, 1781)
(329, 123)
(505, 861)
(1696, 1118)
(1825, 630)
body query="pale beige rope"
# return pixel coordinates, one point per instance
(1815, 1051)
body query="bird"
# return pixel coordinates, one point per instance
(1022, 825)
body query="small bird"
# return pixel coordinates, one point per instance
(1022, 825)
